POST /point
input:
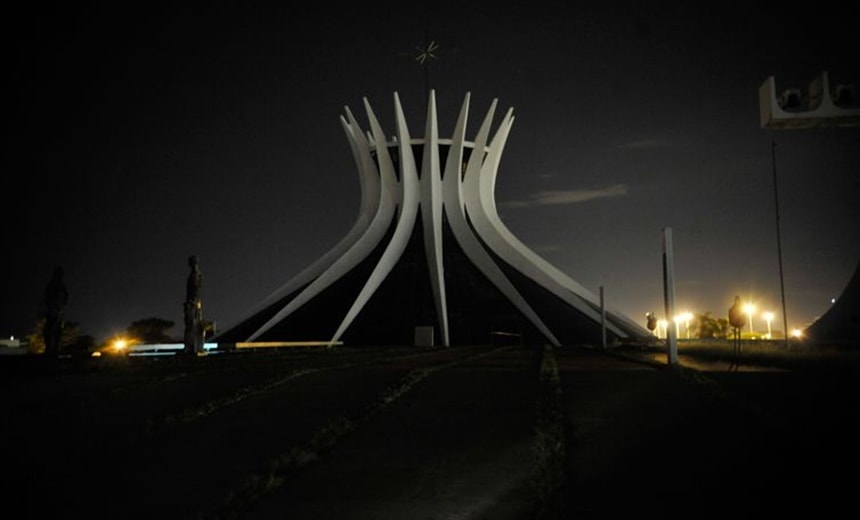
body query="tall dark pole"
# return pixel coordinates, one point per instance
(779, 241)
(669, 295)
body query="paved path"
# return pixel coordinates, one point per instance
(457, 445)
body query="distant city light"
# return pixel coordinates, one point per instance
(796, 333)
(749, 309)
(688, 320)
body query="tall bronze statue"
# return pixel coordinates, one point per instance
(736, 321)
(53, 306)
(193, 308)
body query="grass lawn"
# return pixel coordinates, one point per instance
(797, 354)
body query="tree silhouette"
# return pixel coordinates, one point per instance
(706, 326)
(151, 330)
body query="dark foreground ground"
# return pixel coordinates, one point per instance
(507, 432)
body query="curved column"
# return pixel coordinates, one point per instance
(431, 217)
(532, 264)
(369, 187)
(405, 220)
(454, 209)
(480, 183)
(378, 207)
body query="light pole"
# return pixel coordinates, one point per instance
(686, 317)
(778, 242)
(829, 112)
(768, 317)
(749, 309)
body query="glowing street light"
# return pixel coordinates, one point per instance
(119, 345)
(768, 317)
(686, 317)
(749, 309)
(661, 328)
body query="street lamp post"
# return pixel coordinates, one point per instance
(686, 317)
(749, 309)
(778, 241)
(826, 113)
(768, 317)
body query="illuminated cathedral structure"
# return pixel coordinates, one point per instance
(428, 260)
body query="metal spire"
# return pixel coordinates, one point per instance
(426, 54)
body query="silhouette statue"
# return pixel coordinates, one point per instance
(651, 321)
(736, 320)
(193, 309)
(53, 306)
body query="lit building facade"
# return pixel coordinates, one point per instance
(428, 259)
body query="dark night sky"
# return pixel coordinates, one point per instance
(139, 135)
